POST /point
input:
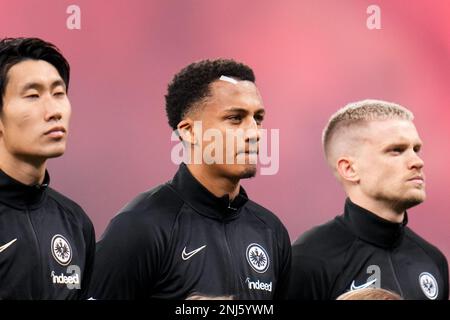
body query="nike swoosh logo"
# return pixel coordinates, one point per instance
(186, 256)
(364, 285)
(5, 246)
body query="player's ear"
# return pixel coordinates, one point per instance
(346, 169)
(186, 131)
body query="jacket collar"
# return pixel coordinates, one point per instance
(373, 229)
(202, 200)
(21, 196)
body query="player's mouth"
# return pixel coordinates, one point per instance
(56, 132)
(419, 179)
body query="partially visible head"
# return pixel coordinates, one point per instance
(34, 107)
(369, 294)
(200, 296)
(220, 95)
(372, 147)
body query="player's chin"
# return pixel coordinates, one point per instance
(247, 171)
(54, 152)
(414, 198)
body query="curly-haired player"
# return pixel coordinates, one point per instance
(199, 233)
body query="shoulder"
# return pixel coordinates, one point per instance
(429, 249)
(265, 216)
(161, 197)
(63, 201)
(71, 209)
(325, 241)
(155, 208)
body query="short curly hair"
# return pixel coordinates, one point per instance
(191, 85)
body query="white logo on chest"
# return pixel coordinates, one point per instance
(187, 255)
(257, 258)
(429, 285)
(61, 250)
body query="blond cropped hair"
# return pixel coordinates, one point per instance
(370, 294)
(357, 114)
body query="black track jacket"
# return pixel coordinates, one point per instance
(359, 249)
(179, 239)
(47, 243)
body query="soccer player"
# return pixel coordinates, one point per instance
(373, 150)
(47, 243)
(200, 233)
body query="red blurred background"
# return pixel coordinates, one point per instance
(310, 58)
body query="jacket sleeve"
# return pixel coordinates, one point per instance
(281, 291)
(309, 277)
(127, 260)
(444, 268)
(89, 236)
(441, 263)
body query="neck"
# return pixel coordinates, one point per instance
(384, 210)
(26, 172)
(217, 185)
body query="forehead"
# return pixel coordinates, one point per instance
(391, 131)
(27, 71)
(242, 94)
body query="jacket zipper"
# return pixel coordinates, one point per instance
(36, 240)
(233, 273)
